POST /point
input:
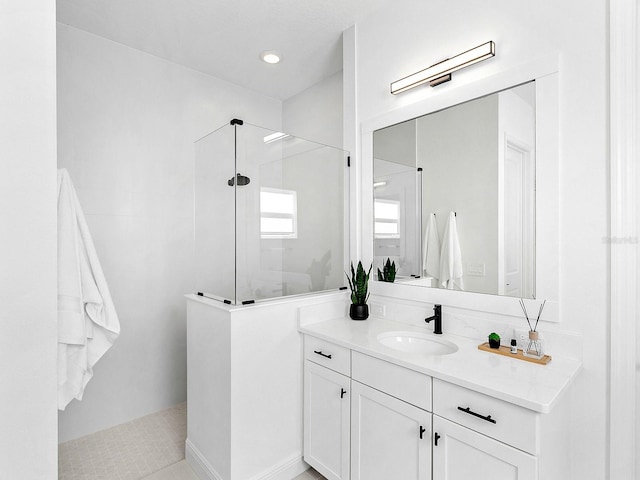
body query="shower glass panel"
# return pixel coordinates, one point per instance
(214, 214)
(397, 201)
(275, 223)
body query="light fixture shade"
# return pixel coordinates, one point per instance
(446, 67)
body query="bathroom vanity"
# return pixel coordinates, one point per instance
(378, 410)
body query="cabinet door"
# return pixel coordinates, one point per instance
(390, 439)
(459, 453)
(326, 421)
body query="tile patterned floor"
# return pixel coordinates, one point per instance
(130, 451)
(178, 471)
(148, 448)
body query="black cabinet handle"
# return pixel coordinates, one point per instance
(436, 437)
(471, 412)
(422, 430)
(342, 392)
(319, 352)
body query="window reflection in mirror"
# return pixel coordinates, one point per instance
(476, 159)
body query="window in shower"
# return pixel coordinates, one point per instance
(278, 213)
(387, 218)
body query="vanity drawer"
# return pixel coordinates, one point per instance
(328, 354)
(495, 418)
(408, 385)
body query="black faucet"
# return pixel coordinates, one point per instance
(437, 328)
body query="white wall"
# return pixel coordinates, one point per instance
(28, 282)
(414, 34)
(637, 146)
(127, 123)
(316, 113)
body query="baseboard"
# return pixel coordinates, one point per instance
(286, 470)
(199, 464)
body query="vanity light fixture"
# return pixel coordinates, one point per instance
(441, 71)
(270, 56)
(274, 137)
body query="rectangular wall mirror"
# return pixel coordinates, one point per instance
(472, 166)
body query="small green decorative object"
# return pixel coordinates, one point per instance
(388, 273)
(494, 340)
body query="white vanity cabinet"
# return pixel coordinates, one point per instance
(389, 438)
(460, 453)
(327, 417)
(477, 436)
(364, 418)
(390, 421)
(371, 419)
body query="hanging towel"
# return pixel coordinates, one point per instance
(431, 251)
(87, 320)
(450, 257)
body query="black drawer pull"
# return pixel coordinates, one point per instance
(483, 417)
(436, 437)
(422, 430)
(342, 392)
(319, 352)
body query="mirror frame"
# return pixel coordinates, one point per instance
(545, 73)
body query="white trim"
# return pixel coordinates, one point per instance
(289, 468)
(623, 248)
(199, 464)
(350, 141)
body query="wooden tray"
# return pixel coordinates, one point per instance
(506, 351)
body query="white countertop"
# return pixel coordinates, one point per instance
(529, 385)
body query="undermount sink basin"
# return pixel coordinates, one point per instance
(415, 342)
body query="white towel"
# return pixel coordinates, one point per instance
(450, 257)
(87, 320)
(431, 251)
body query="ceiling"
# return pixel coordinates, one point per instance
(225, 38)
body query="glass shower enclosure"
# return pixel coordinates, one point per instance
(271, 214)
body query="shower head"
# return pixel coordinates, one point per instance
(242, 180)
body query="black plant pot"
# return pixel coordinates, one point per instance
(494, 343)
(359, 312)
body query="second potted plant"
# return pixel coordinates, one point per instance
(359, 285)
(388, 273)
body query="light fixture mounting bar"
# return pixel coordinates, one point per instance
(434, 73)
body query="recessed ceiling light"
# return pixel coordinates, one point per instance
(270, 56)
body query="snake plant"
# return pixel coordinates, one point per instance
(388, 273)
(359, 284)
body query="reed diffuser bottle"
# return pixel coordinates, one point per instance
(533, 346)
